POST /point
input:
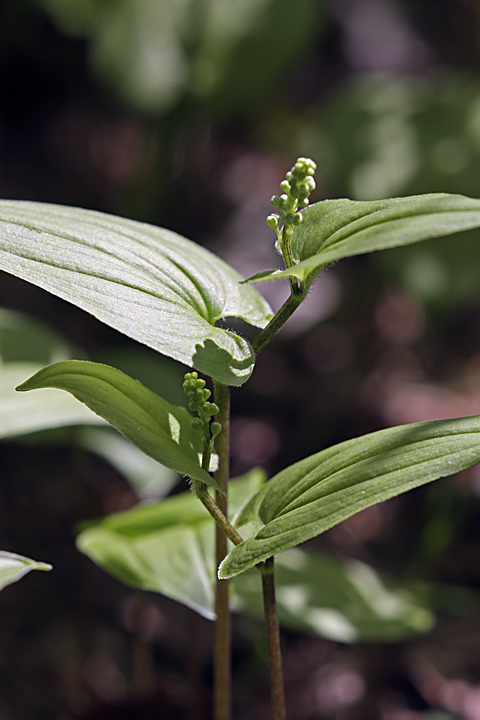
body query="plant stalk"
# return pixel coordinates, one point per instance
(222, 660)
(273, 640)
(278, 321)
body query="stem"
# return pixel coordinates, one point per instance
(223, 525)
(222, 660)
(278, 321)
(273, 640)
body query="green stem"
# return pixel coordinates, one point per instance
(273, 640)
(222, 647)
(278, 321)
(225, 527)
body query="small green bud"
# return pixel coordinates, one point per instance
(215, 429)
(210, 409)
(275, 200)
(273, 221)
(285, 185)
(197, 424)
(297, 219)
(289, 219)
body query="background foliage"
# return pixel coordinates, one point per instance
(187, 114)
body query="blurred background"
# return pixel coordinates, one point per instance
(187, 114)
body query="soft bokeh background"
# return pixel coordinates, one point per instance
(187, 113)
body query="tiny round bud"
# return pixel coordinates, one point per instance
(275, 200)
(290, 219)
(211, 409)
(197, 424)
(285, 185)
(273, 221)
(297, 219)
(215, 428)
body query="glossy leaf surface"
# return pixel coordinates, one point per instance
(321, 491)
(160, 429)
(13, 567)
(335, 229)
(150, 284)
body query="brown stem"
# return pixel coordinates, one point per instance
(222, 648)
(273, 640)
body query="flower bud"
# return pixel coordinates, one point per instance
(197, 424)
(215, 429)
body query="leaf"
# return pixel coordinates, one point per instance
(13, 567)
(335, 229)
(149, 283)
(160, 429)
(342, 600)
(23, 339)
(166, 547)
(321, 491)
(148, 478)
(27, 413)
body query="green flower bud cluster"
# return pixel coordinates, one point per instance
(194, 388)
(297, 186)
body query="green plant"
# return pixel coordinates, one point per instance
(169, 294)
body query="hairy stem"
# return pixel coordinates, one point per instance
(273, 640)
(222, 647)
(278, 321)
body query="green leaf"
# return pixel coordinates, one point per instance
(342, 600)
(160, 429)
(23, 339)
(13, 567)
(167, 547)
(321, 491)
(150, 284)
(28, 413)
(335, 229)
(148, 478)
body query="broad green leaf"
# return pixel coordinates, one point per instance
(321, 491)
(335, 229)
(342, 600)
(167, 547)
(21, 414)
(160, 429)
(149, 283)
(13, 567)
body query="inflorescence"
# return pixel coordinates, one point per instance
(198, 394)
(297, 186)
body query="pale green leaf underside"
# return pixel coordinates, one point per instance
(21, 414)
(147, 282)
(13, 567)
(160, 429)
(335, 229)
(321, 491)
(166, 547)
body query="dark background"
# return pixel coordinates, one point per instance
(187, 115)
